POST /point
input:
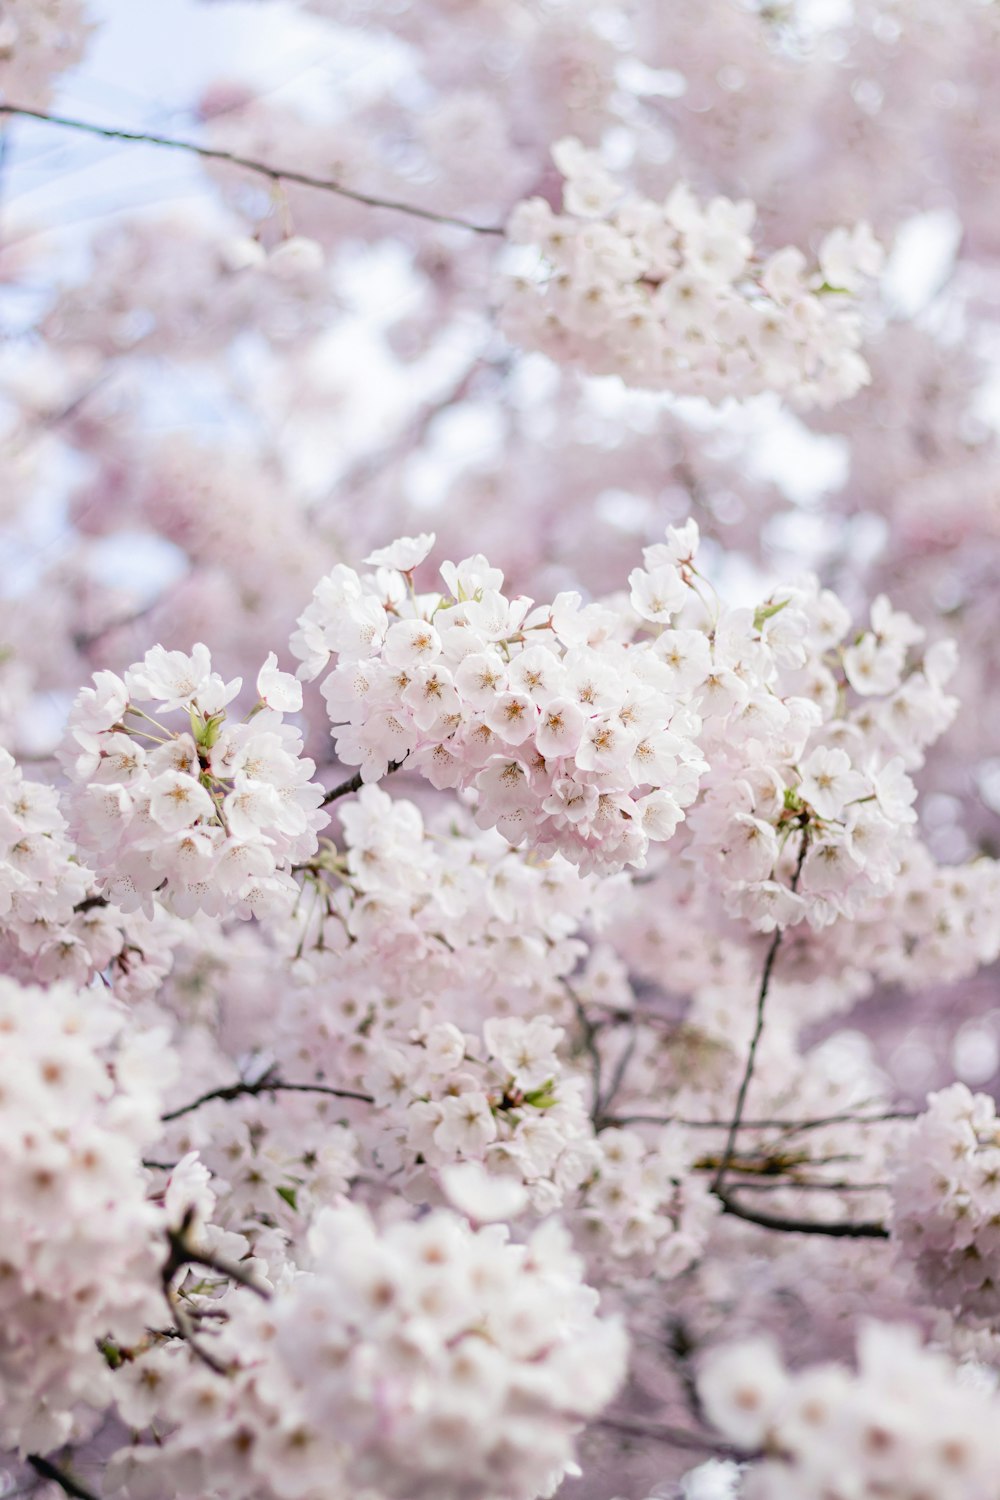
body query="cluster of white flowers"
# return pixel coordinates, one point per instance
(569, 732)
(268, 1167)
(936, 924)
(171, 286)
(39, 883)
(591, 729)
(405, 928)
(946, 1202)
(454, 1362)
(504, 1099)
(51, 924)
(905, 1426)
(37, 43)
(209, 817)
(810, 744)
(644, 1211)
(673, 295)
(79, 1246)
(441, 906)
(425, 1359)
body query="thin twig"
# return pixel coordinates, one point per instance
(89, 903)
(765, 981)
(796, 1184)
(589, 1030)
(66, 1483)
(265, 1085)
(263, 169)
(681, 1346)
(673, 1437)
(789, 1127)
(413, 433)
(183, 1255)
(618, 1076)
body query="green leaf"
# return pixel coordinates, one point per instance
(765, 612)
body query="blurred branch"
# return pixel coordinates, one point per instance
(414, 432)
(673, 1437)
(588, 1030)
(847, 1231)
(248, 164)
(265, 1085)
(787, 1127)
(48, 1470)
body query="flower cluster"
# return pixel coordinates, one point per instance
(503, 1098)
(807, 812)
(946, 1202)
(904, 1426)
(936, 923)
(592, 729)
(673, 296)
(79, 1257)
(52, 925)
(39, 883)
(408, 925)
(209, 817)
(569, 731)
(269, 1166)
(422, 1359)
(452, 1358)
(37, 43)
(172, 285)
(643, 1211)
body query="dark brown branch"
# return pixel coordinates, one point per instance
(265, 1085)
(765, 980)
(797, 1184)
(589, 1036)
(790, 1127)
(69, 1486)
(673, 1437)
(845, 1231)
(262, 169)
(182, 1256)
(354, 784)
(183, 1253)
(90, 903)
(618, 1076)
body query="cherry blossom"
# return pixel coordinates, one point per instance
(673, 295)
(498, 783)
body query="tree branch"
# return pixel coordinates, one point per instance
(69, 1486)
(182, 1255)
(765, 980)
(788, 1127)
(593, 1051)
(352, 784)
(617, 1077)
(673, 1437)
(265, 1085)
(263, 169)
(861, 1231)
(355, 783)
